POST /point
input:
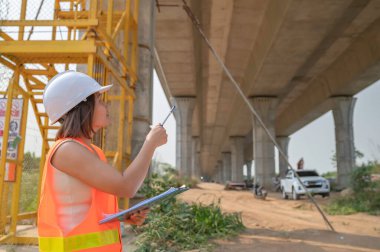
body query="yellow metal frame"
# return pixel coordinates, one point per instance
(97, 48)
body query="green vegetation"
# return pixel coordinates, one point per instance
(358, 155)
(330, 175)
(31, 162)
(29, 191)
(158, 183)
(365, 195)
(178, 226)
(29, 183)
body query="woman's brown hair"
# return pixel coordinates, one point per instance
(78, 121)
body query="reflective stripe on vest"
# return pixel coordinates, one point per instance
(78, 242)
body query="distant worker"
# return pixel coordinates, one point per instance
(259, 191)
(276, 183)
(78, 187)
(300, 164)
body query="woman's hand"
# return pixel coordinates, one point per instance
(138, 218)
(157, 136)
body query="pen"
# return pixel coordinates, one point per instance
(166, 118)
(171, 111)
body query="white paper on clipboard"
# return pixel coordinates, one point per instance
(123, 215)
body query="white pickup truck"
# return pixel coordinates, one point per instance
(314, 183)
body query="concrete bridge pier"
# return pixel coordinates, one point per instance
(184, 115)
(237, 158)
(283, 142)
(195, 158)
(226, 163)
(219, 172)
(142, 114)
(216, 176)
(264, 148)
(343, 112)
(249, 171)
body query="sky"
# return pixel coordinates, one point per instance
(315, 142)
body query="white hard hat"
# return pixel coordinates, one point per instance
(66, 90)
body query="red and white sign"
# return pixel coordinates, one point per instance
(14, 126)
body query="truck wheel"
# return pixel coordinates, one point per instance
(325, 195)
(284, 195)
(295, 195)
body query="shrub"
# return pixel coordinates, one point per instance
(156, 183)
(178, 226)
(183, 226)
(366, 193)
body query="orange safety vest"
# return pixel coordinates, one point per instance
(88, 235)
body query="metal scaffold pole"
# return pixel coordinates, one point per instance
(61, 35)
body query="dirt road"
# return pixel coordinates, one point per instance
(286, 225)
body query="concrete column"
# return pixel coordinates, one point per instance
(343, 112)
(237, 158)
(216, 174)
(283, 142)
(142, 114)
(184, 115)
(226, 163)
(264, 148)
(195, 158)
(249, 172)
(219, 172)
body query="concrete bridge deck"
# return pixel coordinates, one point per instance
(295, 60)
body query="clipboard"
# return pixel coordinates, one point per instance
(125, 214)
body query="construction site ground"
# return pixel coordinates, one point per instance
(287, 225)
(276, 224)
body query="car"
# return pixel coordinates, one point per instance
(315, 184)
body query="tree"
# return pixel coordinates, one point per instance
(358, 155)
(31, 161)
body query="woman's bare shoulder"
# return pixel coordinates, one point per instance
(70, 153)
(71, 147)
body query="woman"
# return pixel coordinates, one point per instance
(79, 188)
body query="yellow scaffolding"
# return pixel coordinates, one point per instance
(100, 38)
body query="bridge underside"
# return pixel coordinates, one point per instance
(293, 58)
